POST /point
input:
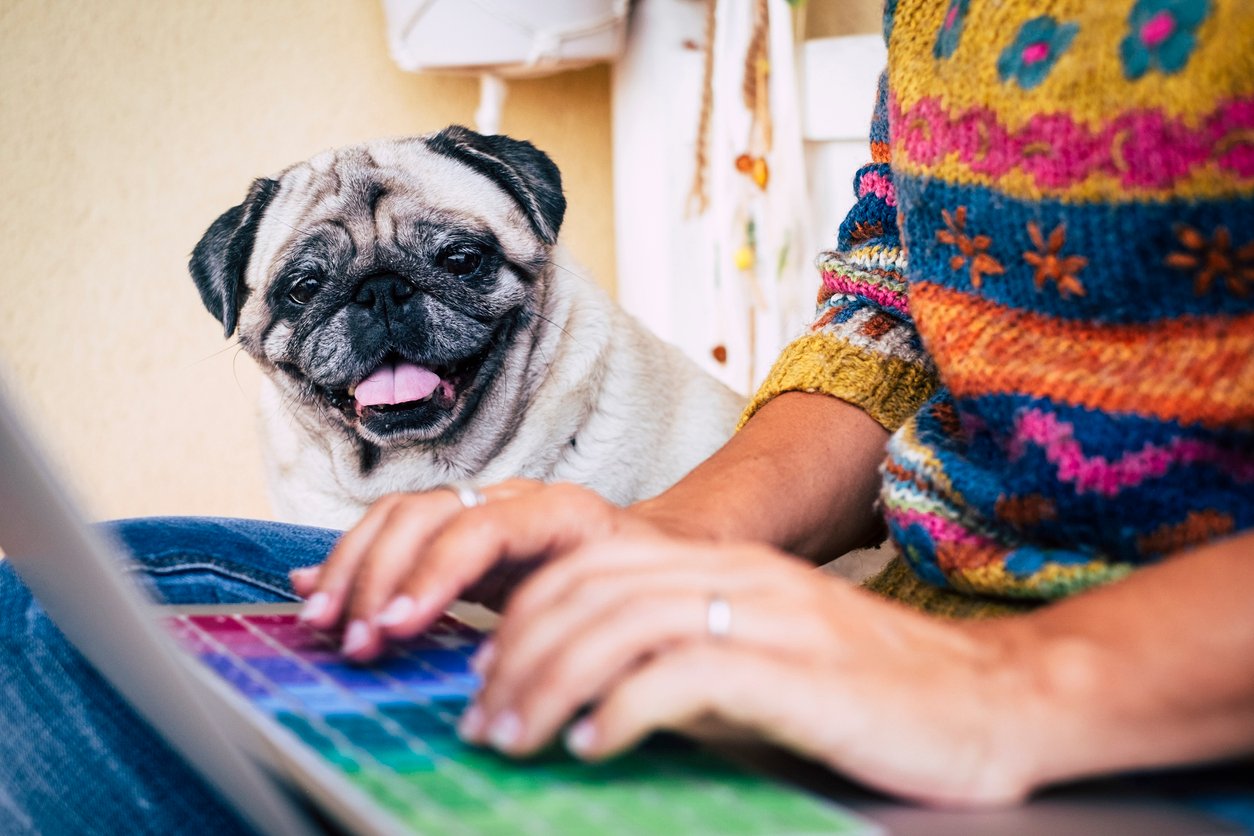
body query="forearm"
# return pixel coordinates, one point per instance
(1155, 670)
(802, 475)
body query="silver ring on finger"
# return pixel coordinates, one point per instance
(467, 493)
(718, 617)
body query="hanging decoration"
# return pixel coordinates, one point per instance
(748, 187)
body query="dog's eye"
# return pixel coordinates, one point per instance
(304, 290)
(460, 262)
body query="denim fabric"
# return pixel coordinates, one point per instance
(74, 758)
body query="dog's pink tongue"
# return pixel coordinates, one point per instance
(393, 384)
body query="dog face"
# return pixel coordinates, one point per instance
(387, 284)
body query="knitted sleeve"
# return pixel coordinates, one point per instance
(862, 346)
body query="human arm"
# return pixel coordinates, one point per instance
(1155, 670)
(801, 475)
(801, 472)
(1150, 671)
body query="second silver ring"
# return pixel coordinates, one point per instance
(467, 493)
(718, 617)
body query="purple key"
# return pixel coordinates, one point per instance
(279, 670)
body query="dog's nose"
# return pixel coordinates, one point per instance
(383, 290)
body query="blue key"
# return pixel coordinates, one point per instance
(321, 699)
(447, 661)
(349, 675)
(280, 671)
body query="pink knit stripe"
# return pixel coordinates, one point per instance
(939, 529)
(1059, 152)
(840, 283)
(873, 182)
(1096, 474)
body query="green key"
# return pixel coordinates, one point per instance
(405, 760)
(443, 791)
(374, 786)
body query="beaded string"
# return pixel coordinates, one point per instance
(698, 198)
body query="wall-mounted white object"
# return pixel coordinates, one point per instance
(510, 38)
(497, 39)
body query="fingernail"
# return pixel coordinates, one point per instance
(356, 636)
(482, 657)
(505, 730)
(397, 612)
(304, 573)
(470, 726)
(315, 607)
(581, 737)
(428, 604)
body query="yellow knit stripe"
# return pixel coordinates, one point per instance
(887, 388)
(898, 582)
(1088, 81)
(1052, 581)
(906, 449)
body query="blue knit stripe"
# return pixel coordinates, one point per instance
(1114, 433)
(980, 462)
(879, 118)
(1126, 277)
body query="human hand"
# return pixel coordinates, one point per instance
(912, 705)
(413, 554)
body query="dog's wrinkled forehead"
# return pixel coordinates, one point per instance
(371, 190)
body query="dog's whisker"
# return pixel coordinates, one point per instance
(557, 265)
(239, 349)
(231, 344)
(568, 334)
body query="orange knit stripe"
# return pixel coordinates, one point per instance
(1191, 369)
(1198, 527)
(902, 474)
(954, 556)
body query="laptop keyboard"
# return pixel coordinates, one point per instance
(390, 729)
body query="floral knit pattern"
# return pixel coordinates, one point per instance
(1064, 343)
(1162, 35)
(1040, 43)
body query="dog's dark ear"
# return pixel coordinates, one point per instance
(220, 259)
(521, 169)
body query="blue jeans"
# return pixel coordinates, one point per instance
(74, 757)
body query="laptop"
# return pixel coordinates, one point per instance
(301, 742)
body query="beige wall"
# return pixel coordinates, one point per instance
(126, 127)
(829, 18)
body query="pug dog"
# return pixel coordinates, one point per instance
(416, 322)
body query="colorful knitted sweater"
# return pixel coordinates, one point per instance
(1046, 289)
